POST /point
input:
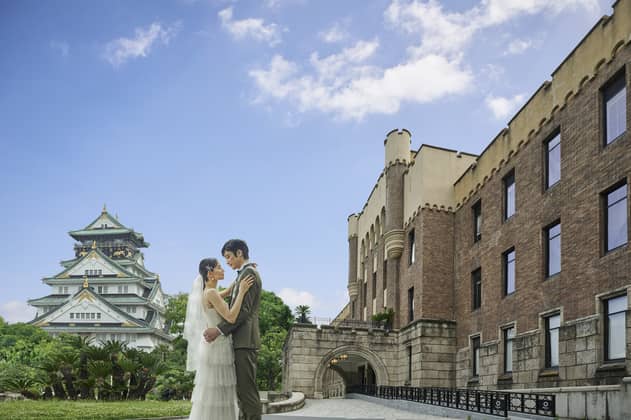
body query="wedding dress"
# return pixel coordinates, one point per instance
(214, 395)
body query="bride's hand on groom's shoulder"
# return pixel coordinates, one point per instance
(246, 283)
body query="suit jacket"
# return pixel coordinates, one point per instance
(245, 330)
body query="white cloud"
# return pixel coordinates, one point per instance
(250, 28)
(445, 32)
(493, 72)
(344, 85)
(120, 50)
(62, 47)
(323, 309)
(349, 85)
(503, 107)
(334, 34)
(17, 311)
(518, 46)
(293, 298)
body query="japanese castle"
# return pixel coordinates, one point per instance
(105, 291)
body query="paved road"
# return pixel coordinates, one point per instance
(331, 409)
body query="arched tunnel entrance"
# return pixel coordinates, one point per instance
(347, 366)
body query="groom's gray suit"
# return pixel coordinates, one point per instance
(246, 341)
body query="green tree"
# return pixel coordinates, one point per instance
(270, 367)
(176, 312)
(18, 342)
(273, 313)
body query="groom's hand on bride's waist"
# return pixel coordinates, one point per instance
(210, 334)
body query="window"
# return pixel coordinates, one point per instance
(553, 323)
(411, 304)
(98, 315)
(509, 336)
(477, 221)
(615, 217)
(475, 359)
(353, 309)
(509, 195)
(553, 160)
(385, 283)
(509, 271)
(374, 285)
(409, 363)
(476, 289)
(615, 108)
(553, 249)
(100, 289)
(411, 248)
(92, 315)
(615, 328)
(65, 290)
(364, 299)
(71, 315)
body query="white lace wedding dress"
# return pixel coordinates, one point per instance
(214, 396)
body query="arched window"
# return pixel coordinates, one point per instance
(372, 236)
(383, 220)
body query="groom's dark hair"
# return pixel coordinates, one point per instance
(236, 244)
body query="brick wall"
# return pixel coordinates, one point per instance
(587, 169)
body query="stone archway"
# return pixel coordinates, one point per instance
(379, 368)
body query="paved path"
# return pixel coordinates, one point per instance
(330, 409)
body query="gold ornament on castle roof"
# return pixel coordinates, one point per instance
(85, 282)
(93, 244)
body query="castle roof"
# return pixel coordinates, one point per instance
(86, 300)
(106, 225)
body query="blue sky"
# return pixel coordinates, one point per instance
(199, 121)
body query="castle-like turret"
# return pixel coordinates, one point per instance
(397, 145)
(353, 289)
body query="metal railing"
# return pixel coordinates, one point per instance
(495, 403)
(353, 323)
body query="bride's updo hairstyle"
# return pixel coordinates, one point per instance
(205, 266)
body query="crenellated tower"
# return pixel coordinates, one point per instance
(397, 152)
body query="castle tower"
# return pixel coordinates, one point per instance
(397, 156)
(105, 292)
(353, 286)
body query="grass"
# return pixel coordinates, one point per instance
(92, 410)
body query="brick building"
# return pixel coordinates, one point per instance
(511, 269)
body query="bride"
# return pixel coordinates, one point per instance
(214, 395)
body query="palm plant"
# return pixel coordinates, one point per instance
(302, 314)
(115, 349)
(151, 367)
(22, 384)
(101, 372)
(67, 361)
(83, 345)
(50, 366)
(129, 367)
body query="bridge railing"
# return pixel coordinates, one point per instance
(497, 403)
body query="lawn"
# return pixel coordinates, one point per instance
(92, 410)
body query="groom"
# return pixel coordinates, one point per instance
(245, 330)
